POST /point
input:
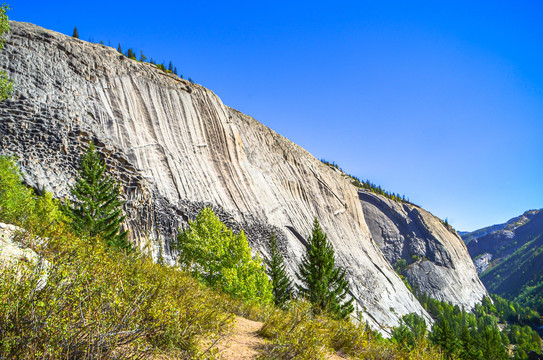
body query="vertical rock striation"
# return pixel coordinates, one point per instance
(176, 148)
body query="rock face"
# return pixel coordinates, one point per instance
(176, 147)
(435, 253)
(503, 241)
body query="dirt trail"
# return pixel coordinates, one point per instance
(244, 343)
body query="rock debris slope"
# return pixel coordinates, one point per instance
(176, 147)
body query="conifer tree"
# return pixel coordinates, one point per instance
(170, 67)
(6, 85)
(97, 209)
(131, 54)
(282, 285)
(76, 33)
(469, 349)
(175, 70)
(322, 283)
(142, 57)
(119, 49)
(443, 335)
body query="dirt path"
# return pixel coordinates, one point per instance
(244, 342)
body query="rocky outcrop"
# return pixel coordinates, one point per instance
(503, 241)
(436, 255)
(176, 148)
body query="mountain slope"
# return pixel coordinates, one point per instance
(518, 274)
(176, 148)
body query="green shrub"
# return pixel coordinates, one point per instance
(222, 259)
(91, 301)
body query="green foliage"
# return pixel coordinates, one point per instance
(411, 333)
(131, 54)
(281, 284)
(300, 333)
(142, 56)
(322, 283)
(519, 276)
(222, 259)
(90, 302)
(20, 206)
(445, 337)
(75, 33)
(475, 335)
(119, 49)
(6, 85)
(96, 210)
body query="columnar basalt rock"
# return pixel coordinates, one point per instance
(176, 148)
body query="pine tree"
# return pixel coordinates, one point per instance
(175, 70)
(282, 285)
(322, 283)
(170, 67)
(131, 54)
(97, 209)
(142, 57)
(6, 85)
(468, 349)
(119, 49)
(76, 33)
(443, 335)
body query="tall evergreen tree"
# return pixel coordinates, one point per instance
(76, 33)
(119, 49)
(97, 209)
(170, 67)
(322, 283)
(444, 336)
(175, 70)
(469, 350)
(282, 285)
(131, 54)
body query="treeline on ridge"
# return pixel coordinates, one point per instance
(131, 54)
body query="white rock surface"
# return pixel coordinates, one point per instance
(405, 231)
(176, 146)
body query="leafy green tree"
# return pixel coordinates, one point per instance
(222, 259)
(6, 85)
(96, 210)
(20, 206)
(75, 33)
(322, 282)
(282, 285)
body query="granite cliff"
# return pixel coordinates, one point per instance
(434, 253)
(176, 147)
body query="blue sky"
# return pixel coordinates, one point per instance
(440, 101)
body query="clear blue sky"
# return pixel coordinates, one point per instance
(441, 102)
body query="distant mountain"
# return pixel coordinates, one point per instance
(468, 236)
(510, 260)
